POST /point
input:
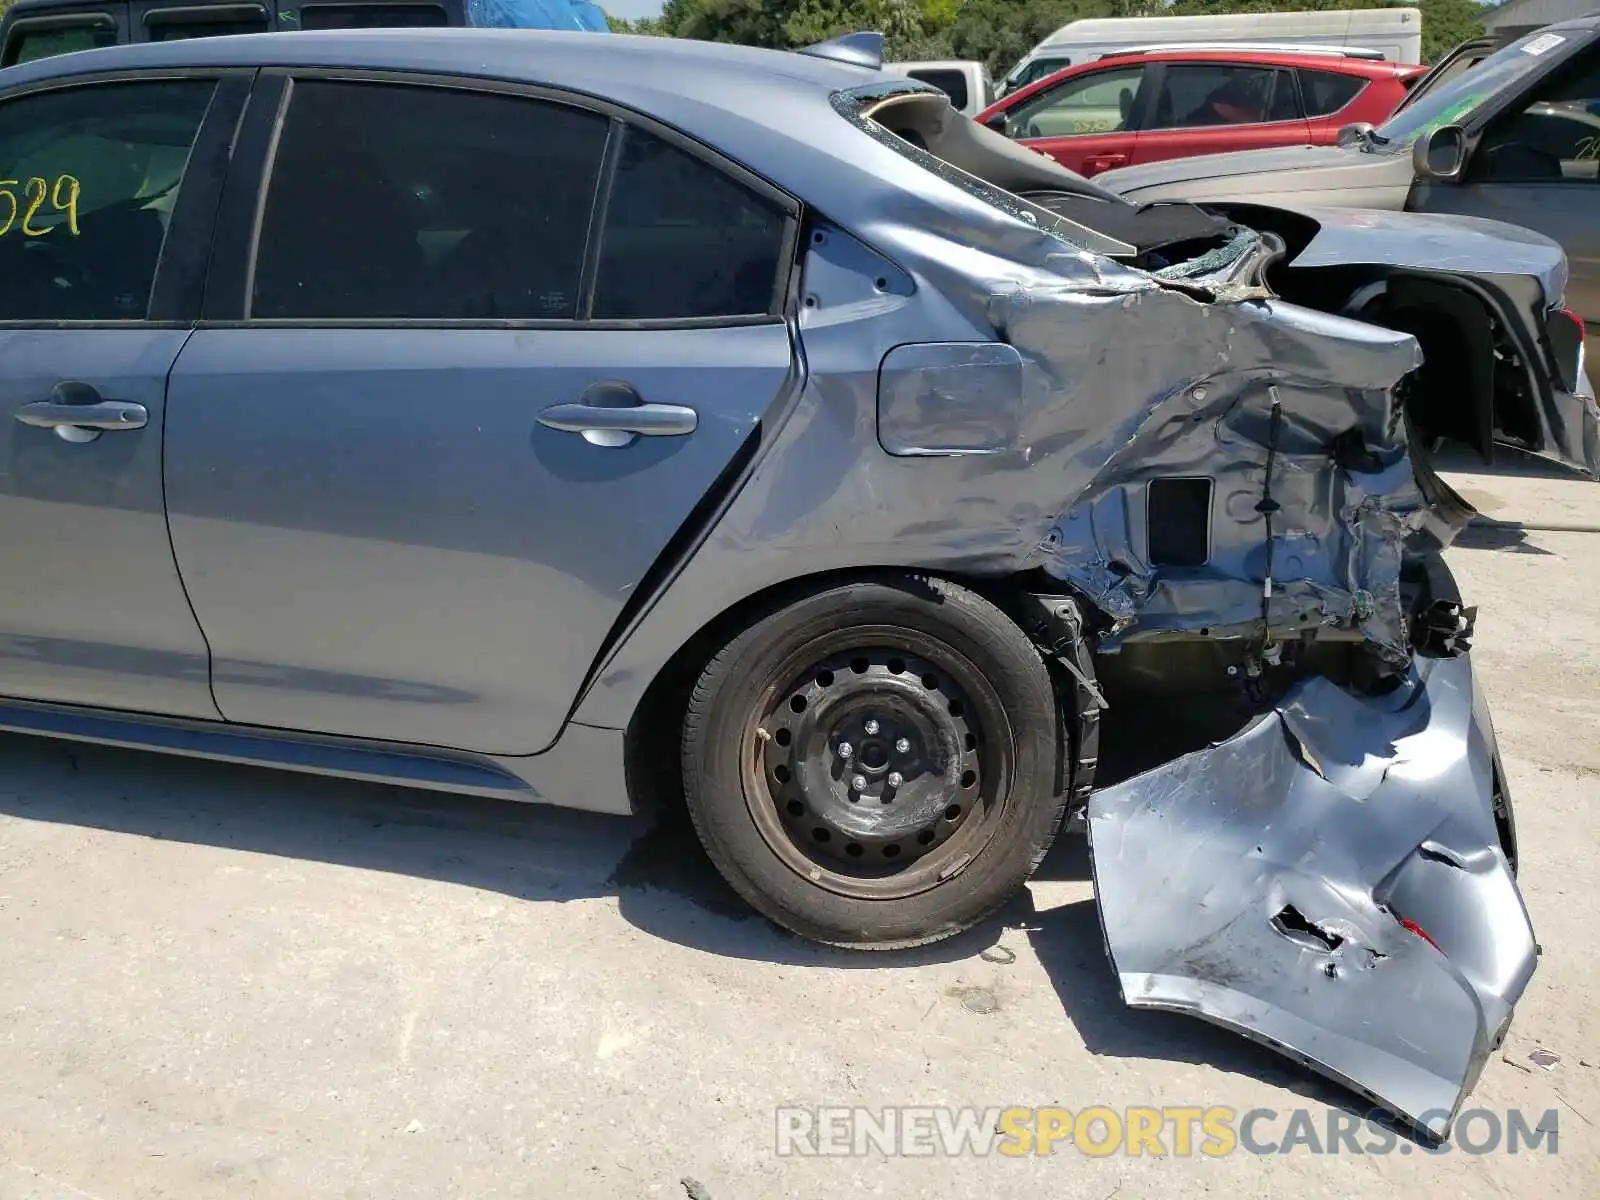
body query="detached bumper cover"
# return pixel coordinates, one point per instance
(1332, 882)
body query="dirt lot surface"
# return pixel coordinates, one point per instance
(223, 982)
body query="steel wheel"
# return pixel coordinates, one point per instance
(876, 763)
(874, 770)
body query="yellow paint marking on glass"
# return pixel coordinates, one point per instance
(70, 204)
(61, 195)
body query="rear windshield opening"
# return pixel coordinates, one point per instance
(1175, 239)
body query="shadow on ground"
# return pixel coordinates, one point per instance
(661, 878)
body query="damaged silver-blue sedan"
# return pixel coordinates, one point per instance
(589, 419)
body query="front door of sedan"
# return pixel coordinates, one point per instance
(106, 189)
(1088, 123)
(1538, 165)
(1216, 107)
(487, 356)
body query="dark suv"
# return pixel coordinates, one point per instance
(40, 28)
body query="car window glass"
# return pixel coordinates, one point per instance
(389, 201)
(684, 239)
(951, 83)
(1326, 92)
(88, 177)
(1039, 68)
(372, 16)
(1554, 138)
(1506, 70)
(26, 45)
(1100, 102)
(1283, 103)
(160, 28)
(1201, 94)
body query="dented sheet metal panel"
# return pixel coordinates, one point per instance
(1465, 245)
(1330, 882)
(1292, 414)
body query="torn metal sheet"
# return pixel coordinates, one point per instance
(1331, 882)
(1292, 416)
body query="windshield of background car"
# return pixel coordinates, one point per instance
(1504, 70)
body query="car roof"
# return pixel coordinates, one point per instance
(771, 111)
(1342, 64)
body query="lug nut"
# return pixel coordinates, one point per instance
(895, 779)
(859, 783)
(846, 749)
(903, 746)
(872, 727)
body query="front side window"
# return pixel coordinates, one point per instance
(1040, 67)
(390, 201)
(684, 240)
(1197, 95)
(26, 45)
(88, 178)
(1553, 138)
(1100, 102)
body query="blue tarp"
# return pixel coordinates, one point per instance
(536, 14)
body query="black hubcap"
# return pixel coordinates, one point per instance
(873, 760)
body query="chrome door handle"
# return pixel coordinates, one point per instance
(102, 415)
(648, 420)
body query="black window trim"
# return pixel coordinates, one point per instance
(231, 285)
(175, 293)
(1278, 71)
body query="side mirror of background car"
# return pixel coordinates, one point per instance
(997, 122)
(1356, 134)
(1441, 154)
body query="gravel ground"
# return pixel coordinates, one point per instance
(223, 982)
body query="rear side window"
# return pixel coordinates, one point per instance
(90, 176)
(1326, 92)
(951, 83)
(426, 203)
(176, 24)
(682, 239)
(1195, 95)
(372, 16)
(26, 45)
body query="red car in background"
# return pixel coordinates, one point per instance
(1145, 106)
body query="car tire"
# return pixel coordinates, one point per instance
(878, 764)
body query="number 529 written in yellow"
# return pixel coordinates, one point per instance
(61, 194)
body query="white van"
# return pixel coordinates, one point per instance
(1392, 33)
(968, 84)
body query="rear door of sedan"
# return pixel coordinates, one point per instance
(473, 357)
(108, 188)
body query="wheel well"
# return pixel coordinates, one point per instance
(1471, 384)
(651, 742)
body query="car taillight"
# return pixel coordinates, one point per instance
(1565, 331)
